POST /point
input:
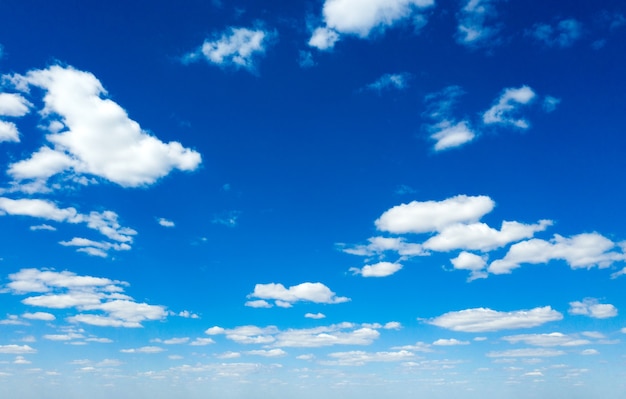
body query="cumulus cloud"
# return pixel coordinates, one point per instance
(551, 339)
(451, 135)
(307, 292)
(165, 222)
(427, 216)
(378, 245)
(267, 352)
(92, 135)
(100, 301)
(380, 269)
(593, 308)
(485, 319)
(564, 34)
(474, 263)
(504, 110)
(336, 334)
(473, 29)
(580, 251)
(16, 349)
(316, 316)
(360, 18)
(445, 130)
(235, 48)
(14, 104)
(39, 316)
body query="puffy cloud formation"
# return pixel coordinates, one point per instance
(360, 358)
(285, 297)
(507, 105)
(91, 135)
(12, 105)
(99, 301)
(484, 319)
(236, 48)
(361, 17)
(380, 269)
(593, 308)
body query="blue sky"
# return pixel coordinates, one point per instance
(338, 198)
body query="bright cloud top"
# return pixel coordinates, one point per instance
(564, 34)
(93, 135)
(286, 297)
(484, 319)
(237, 48)
(98, 301)
(361, 18)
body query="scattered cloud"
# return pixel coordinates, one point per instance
(86, 294)
(361, 18)
(390, 81)
(472, 262)
(143, 349)
(202, 342)
(91, 135)
(593, 308)
(379, 245)
(503, 111)
(473, 29)
(360, 358)
(236, 48)
(547, 340)
(550, 103)
(306, 292)
(165, 222)
(380, 269)
(564, 34)
(526, 352)
(450, 342)
(43, 227)
(589, 352)
(485, 319)
(448, 135)
(446, 130)
(315, 316)
(39, 316)
(580, 251)
(16, 349)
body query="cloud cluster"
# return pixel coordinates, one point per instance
(236, 48)
(98, 301)
(454, 225)
(473, 29)
(591, 307)
(335, 334)
(563, 34)
(286, 297)
(361, 18)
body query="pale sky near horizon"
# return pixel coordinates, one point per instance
(320, 198)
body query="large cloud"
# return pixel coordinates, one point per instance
(92, 135)
(484, 319)
(285, 297)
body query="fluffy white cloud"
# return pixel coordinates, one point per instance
(472, 262)
(316, 316)
(579, 251)
(592, 308)
(450, 342)
(502, 112)
(428, 216)
(484, 319)
(380, 269)
(360, 358)
(361, 17)
(165, 222)
(39, 316)
(526, 352)
(259, 303)
(16, 349)
(307, 292)
(552, 339)
(564, 34)
(66, 290)
(92, 135)
(473, 17)
(9, 132)
(13, 104)
(448, 135)
(378, 245)
(479, 236)
(202, 342)
(238, 48)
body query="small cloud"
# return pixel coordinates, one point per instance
(592, 308)
(188, 315)
(397, 81)
(305, 59)
(550, 103)
(305, 292)
(144, 349)
(202, 342)
(42, 227)
(228, 219)
(473, 29)
(316, 316)
(381, 269)
(450, 342)
(165, 222)
(260, 303)
(509, 102)
(563, 34)
(588, 352)
(323, 38)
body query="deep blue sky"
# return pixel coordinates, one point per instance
(340, 198)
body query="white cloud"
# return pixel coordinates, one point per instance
(389, 81)
(448, 135)
(323, 38)
(228, 219)
(97, 137)
(13, 104)
(428, 216)
(450, 342)
(259, 303)
(564, 34)
(579, 251)
(526, 352)
(550, 103)
(315, 316)
(165, 222)
(9, 132)
(246, 334)
(307, 292)
(507, 105)
(479, 236)
(592, 308)
(360, 358)
(187, 315)
(472, 262)
(267, 353)
(229, 355)
(472, 29)
(485, 319)
(378, 245)
(202, 342)
(380, 269)
(551, 339)
(21, 360)
(588, 352)
(43, 227)
(66, 290)
(16, 349)
(362, 17)
(144, 349)
(237, 48)
(39, 316)
(417, 347)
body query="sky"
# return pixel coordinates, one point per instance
(317, 198)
